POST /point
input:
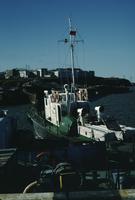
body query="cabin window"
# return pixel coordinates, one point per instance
(46, 102)
(59, 114)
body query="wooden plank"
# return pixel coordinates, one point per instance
(128, 194)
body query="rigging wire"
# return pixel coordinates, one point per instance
(63, 62)
(83, 59)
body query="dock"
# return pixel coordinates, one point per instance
(87, 195)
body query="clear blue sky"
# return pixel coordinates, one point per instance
(30, 29)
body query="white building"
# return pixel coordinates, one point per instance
(23, 73)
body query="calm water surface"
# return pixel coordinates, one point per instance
(121, 106)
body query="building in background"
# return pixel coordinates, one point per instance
(42, 72)
(66, 73)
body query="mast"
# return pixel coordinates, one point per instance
(72, 41)
(72, 36)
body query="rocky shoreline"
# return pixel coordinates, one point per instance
(23, 91)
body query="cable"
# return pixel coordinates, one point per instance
(30, 186)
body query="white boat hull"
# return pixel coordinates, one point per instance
(99, 133)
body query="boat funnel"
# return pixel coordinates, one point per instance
(45, 93)
(100, 112)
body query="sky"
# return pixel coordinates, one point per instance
(30, 31)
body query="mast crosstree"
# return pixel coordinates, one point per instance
(72, 41)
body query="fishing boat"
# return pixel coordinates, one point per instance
(67, 114)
